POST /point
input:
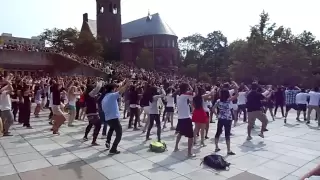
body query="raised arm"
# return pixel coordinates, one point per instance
(96, 90)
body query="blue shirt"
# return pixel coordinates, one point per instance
(224, 110)
(110, 106)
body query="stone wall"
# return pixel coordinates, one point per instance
(50, 62)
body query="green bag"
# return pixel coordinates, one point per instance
(158, 147)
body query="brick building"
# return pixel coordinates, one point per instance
(150, 32)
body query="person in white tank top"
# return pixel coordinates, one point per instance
(169, 109)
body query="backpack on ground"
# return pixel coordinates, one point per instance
(158, 147)
(216, 162)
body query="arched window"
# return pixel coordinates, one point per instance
(145, 43)
(163, 43)
(115, 9)
(156, 43)
(101, 10)
(150, 43)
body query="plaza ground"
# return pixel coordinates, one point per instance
(287, 152)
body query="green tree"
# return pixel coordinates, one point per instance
(87, 45)
(145, 59)
(61, 39)
(190, 70)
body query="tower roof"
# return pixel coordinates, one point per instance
(149, 25)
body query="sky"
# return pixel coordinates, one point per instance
(26, 18)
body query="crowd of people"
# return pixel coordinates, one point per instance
(89, 61)
(154, 96)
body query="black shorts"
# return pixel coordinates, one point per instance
(185, 127)
(302, 107)
(169, 109)
(290, 106)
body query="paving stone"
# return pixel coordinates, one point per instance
(10, 177)
(287, 152)
(247, 176)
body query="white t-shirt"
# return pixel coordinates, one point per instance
(314, 98)
(183, 105)
(301, 98)
(242, 98)
(5, 101)
(206, 105)
(51, 100)
(170, 100)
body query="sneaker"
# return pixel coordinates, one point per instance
(95, 144)
(7, 134)
(249, 138)
(261, 135)
(111, 152)
(107, 146)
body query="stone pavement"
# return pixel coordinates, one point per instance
(287, 152)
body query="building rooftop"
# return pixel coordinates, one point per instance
(149, 25)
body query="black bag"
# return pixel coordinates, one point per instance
(216, 162)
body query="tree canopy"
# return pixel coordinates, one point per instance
(72, 41)
(272, 54)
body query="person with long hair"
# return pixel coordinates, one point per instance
(6, 115)
(169, 107)
(207, 105)
(224, 116)
(134, 99)
(242, 100)
(199, 116)
(25, 105)
(37, 98)
(184, 126)
(80, 111)
(72, 99)
(90, 98)
(144, 102)
(154, 95)
(58, 117)
(101, 95)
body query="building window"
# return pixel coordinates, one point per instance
(115, 9)
(169, 43)
(156, 43)
(163, 43)
(101, 9)
(173, 43)
(150, 43)
(14, 41)
(145, 43)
